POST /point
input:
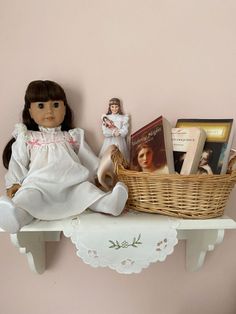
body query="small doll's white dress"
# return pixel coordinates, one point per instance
(122, 123)
(55, 170)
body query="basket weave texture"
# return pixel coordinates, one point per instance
(183, 196)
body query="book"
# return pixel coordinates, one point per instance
(151, 148)
(220, 133)
(188, 145)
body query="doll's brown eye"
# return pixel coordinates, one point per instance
(41, 105)
(56, 104)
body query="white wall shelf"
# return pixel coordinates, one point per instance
(201, 236)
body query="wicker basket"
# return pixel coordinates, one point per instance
(185, 196)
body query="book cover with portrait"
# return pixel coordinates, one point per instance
(220, 133)
(151, 148)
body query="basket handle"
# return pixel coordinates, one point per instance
(233, 176)
(118, 159)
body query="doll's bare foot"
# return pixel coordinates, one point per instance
(12, 219)
(112, 202)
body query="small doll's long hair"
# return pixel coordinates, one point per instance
(40, 91)
(114, 101)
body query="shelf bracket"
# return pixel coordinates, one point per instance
(198, 243)
(32, 244)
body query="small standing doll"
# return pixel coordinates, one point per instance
(51, 169)
(115, 127)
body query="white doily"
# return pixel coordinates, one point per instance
(127, 243)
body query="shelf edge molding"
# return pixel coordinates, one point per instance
(201, 237)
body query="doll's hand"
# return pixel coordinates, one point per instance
(105, 170)
(116, 132)
(12, 190)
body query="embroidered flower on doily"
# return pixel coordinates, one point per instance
(92, 253)
(75, 222)
(161, 245)
(124, 244)
(127, 262)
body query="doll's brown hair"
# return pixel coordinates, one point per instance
(114, 101)
(40, 91)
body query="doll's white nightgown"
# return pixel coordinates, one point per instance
(122, 123)
(55, 169)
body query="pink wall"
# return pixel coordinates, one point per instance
(175, 58)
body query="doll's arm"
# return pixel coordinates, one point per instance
(85, 153)
(105, 172)
(108, 132)
(88, 159)
(116, 132)
(125, 126)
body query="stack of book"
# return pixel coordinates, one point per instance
(193, 146)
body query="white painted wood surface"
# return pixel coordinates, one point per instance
(201, 236)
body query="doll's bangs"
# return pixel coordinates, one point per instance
(114, 101)
(55, 92)
(44, 91)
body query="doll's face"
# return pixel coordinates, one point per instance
(114, 108)
(48, 114)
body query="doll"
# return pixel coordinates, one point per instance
(115, 128)
(51, 169)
